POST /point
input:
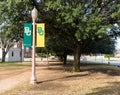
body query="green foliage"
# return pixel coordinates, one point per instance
(80, 22)
(109, 55)
(41, 54)
(86, 21)
(74, 14)
(13, 14)
(116, 15)
(104, 46)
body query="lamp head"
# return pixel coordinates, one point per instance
(34, 13)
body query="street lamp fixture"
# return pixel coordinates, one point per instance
(34, 14)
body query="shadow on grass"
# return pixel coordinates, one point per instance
(50, 86)
(102, 68)
(90, 67)
(112, 89)
(71, 77)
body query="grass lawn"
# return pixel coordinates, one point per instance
(12, 65)
(56, 79)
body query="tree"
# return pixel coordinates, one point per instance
(13, 14)
(82, 21)
(105, 46)
(56, 45)
(4, 45)
(75, 23)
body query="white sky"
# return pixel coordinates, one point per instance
(118, 43)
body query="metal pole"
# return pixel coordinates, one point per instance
(33, 77)
(21, 54)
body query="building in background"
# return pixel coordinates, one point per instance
(27, 52)
(15, 54)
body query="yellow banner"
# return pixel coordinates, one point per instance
(40, 38)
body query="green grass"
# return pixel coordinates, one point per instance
(12, 65)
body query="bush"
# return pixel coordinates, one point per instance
(109, 55)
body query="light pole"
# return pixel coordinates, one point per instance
(34, 14)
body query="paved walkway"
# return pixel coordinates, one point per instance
(12, 81)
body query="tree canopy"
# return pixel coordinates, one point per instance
(13, 14)
(82, 21)
(73, 24)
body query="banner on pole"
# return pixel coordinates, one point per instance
(27, 34)
(40, 38)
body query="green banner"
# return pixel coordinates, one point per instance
(27, 34)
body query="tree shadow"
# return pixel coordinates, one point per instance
(69, 77)
(90, 67)
(112, 89)
(59, 66)
(102, 68)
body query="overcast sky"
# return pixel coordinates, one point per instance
(118, 43)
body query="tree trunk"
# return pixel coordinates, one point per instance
(3, 55)
(77, 54)
(64, 59)
(60, 57)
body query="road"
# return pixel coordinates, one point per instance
(114, 61)
(104, 62)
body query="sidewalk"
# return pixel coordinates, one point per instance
(13, 81)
